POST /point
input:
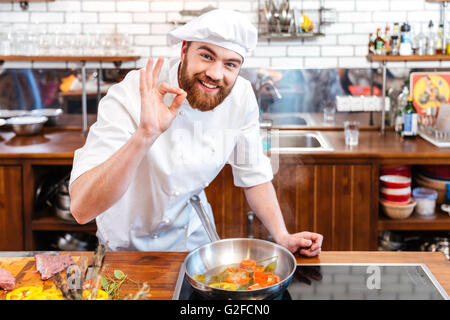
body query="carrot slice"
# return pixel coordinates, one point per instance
(248, 263)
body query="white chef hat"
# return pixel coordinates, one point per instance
(222, 27)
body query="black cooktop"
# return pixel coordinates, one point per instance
(348, 282)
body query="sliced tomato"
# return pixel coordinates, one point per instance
(248, 263)
(90, 284)
(237, 275)
(276, 279)
(237, 279)
(261, 278)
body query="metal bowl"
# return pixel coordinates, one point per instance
(220, 254)
(63, 201)
(53, 115)
(75, 241)
(64, 214)
(27, 126)
(5, 114)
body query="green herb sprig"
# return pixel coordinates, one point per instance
(113, 284)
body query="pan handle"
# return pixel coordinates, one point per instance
(198, 206)
(250, 220)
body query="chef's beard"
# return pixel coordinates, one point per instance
(198, 98)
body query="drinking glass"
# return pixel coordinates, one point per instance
(328, 114)
(351, 130)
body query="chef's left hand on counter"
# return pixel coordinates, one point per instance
(308, 244)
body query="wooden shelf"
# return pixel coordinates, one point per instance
(52, 223)
(69, 58)
(440, 222)
(381, 58)
(78, 93)
(290, 36)
(27, 0)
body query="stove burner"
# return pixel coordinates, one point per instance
(348, 282)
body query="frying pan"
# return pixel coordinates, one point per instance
(222, 253)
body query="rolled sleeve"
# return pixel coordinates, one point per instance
(250, 166)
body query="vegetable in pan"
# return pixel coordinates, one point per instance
(249, 275)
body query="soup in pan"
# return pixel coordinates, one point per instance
(247, 275)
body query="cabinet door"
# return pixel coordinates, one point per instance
(11, 220)
(333, 200)
(229, 205)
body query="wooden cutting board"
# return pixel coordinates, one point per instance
(24, 270)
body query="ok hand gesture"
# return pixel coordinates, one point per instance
(156, 116)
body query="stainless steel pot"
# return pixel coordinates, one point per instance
(63, 201)
(53, 115)
(222, 253)
(27, 126)
(64, 214)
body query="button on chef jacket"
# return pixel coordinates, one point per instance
(154, 213)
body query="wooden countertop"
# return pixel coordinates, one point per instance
(372, 145)
(160, 269)
(51, 143)
(54, 143)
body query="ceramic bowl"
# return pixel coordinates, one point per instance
(398, 211)
(395, 182)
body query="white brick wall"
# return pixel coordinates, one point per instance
(148, 21)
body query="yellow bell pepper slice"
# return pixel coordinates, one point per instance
(49, 294)
(101, 295)
(23, 292)
(224, 285)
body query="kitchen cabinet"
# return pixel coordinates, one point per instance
(24, 162)
(332, 193)
(331, 199)
(11, 219)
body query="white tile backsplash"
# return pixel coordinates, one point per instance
(148, 22)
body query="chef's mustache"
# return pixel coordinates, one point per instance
(204, 78)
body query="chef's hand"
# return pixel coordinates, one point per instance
(306, 243)
(156, 116)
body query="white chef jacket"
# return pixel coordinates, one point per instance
(154, 213)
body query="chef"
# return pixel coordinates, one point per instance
(165, 132)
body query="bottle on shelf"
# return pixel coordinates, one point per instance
(439, 39)
(398, 127)
(431, 39)
(447, 45)
(379, 43)
(420, 42)
(405, 44)
(395, 39)
(387, 40)
(400, 104)
(410, 119)
(371, 43)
